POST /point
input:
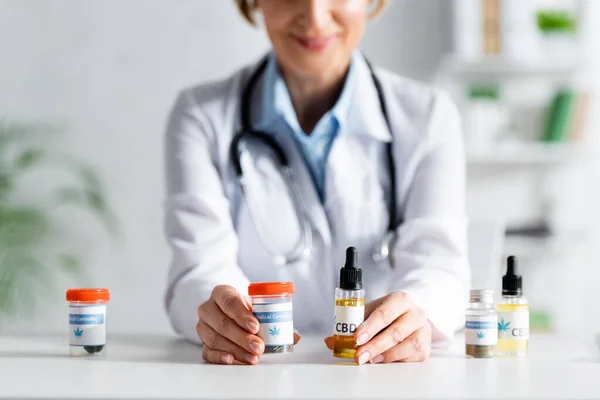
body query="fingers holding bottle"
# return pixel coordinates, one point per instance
(396, 330)
(228, 329)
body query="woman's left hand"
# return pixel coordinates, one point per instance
(395, 329)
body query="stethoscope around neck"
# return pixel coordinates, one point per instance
(248, 140)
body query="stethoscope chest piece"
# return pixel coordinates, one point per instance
(382, 253)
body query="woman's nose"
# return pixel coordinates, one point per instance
(317, 15)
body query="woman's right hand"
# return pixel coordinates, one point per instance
(228, 328)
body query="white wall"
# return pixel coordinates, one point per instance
(111, 69)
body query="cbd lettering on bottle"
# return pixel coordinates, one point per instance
(349, 306)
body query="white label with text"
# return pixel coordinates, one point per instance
(87, 325)
(513, 325)
(347, 319)
(481, 330)
(276, 323)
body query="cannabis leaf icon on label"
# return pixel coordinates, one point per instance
(480, 335)
(274, 331)
(503, 326)
(78, 333)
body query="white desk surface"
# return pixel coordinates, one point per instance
(38, 366)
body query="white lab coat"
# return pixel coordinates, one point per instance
(214, 242)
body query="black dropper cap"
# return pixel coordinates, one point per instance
(350, 274)
(512, 283)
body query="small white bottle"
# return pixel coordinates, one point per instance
(481, 325)
(87, 321)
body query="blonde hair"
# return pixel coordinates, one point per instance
(247, 10)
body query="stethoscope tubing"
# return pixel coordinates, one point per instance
(247, 131)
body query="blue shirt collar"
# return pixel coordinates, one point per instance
(277, 103)
(364, 118)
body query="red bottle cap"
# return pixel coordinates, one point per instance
(270, 288)
(89, 294)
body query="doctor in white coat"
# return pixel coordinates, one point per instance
(317, 99)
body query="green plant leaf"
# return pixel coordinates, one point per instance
(69, 195)
(556, 21)
(8, 278)
(22, 226)
(23, 274)
(96, 201)
(28, 158)
(70, 262)
(27, 264)
(6, 184)
(91, 201)
(7, 296)
(12, 131)
(89, 178)
(72, 266)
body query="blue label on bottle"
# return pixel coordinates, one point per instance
(480, 325)
(274, 316)
(86, 319)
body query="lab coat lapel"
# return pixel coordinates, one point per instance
(366, 117)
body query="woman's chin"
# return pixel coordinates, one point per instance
(317, 65)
